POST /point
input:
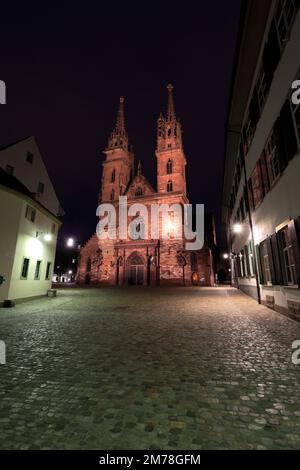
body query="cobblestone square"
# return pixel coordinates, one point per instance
(144, 368)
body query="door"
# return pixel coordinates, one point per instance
(136, 275)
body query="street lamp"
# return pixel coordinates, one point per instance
(70, 242)
(237, 228)
(47, 237)
(225, 255)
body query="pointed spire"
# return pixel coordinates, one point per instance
(118, 137)
(139, 170)
(120, 126)
(171, 107)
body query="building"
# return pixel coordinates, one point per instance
(29, 211)
(261, 190)
(144, 261)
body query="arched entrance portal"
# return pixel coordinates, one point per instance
(135, 270)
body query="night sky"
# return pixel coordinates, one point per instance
(66, 68)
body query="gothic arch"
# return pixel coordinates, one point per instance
(135, 259)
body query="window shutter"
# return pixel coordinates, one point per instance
(287, 132)
(271, 260)
(246, 251)
(276, 260)
(259, 265)
(294, 237)
(264, 173)
(250, 194)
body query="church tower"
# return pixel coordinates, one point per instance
(170, 156)
(118, 164)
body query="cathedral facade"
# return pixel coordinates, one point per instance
(145, 261)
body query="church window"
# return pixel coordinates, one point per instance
(139, 191)
(112, 195)
(169, 167)
(113, 175)
(169, 132)
(169, 187)
(88, 264)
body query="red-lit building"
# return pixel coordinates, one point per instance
(145, 261)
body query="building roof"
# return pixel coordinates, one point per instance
(11, 182)
(14, 143)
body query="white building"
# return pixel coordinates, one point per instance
(261, 187)
(29, 211)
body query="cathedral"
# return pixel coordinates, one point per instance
(145, 262)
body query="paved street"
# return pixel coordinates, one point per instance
(148, 368)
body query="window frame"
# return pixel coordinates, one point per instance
(37, 274)
(25, 277)
(48, 271)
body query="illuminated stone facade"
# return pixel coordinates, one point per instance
(150, 261)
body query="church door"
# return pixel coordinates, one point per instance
(136, 270)
(137, 275)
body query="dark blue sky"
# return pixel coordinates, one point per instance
(66, 68)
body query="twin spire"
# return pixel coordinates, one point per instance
(119, 138)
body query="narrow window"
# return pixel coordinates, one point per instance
(272, 159)
(29, 157)
(113, 176)
(169, 167)
(37, 272)
(25, 267)
(30, 213)
(9, 170)
(88, 265)
(112, 195)
(287, 257)
(139, 192)
(48, 271)
(41, 188)
(169, 187)
(266, 264)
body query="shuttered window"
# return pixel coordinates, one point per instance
(257, 190)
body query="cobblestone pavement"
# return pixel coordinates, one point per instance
(148, 369)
